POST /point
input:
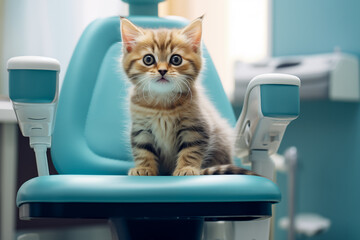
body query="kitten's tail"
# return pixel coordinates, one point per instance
(227, 169)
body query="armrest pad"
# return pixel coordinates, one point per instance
(33, 89)
(271, 103)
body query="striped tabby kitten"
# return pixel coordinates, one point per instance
(175, 129)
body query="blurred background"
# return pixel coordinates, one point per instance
(243, 37)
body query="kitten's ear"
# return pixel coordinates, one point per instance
(193, 32)
(129, 34)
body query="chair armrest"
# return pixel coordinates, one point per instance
(33, 90)
(271, 103)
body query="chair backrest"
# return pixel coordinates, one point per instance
(92, 127)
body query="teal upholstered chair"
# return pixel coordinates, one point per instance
(91, 152)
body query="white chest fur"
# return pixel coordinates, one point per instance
(164, 130)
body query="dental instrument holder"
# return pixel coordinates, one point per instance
(271, 103)
(33, 90)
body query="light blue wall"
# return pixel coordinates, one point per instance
(315, 26)
(328, 133)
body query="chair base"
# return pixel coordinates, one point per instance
(210, 211)
(158, 221)
(157, 229)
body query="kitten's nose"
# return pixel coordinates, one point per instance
(162, 72)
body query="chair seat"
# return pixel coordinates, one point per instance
(99, 196)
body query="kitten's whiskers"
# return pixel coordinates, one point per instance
(141, 85)
(187, 84)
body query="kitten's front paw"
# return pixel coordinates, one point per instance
(186, 171)
(142, 171)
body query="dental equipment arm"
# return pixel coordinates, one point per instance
(33, 90)
(271, 103)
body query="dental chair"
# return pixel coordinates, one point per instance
(90, 147)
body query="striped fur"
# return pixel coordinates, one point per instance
(227, 169)
(175, 128)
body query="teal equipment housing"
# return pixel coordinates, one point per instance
(280, 100)
(32, 86)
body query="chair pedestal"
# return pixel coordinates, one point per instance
(157, 229)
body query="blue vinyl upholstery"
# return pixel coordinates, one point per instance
(123, 189)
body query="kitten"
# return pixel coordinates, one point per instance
(175, 129)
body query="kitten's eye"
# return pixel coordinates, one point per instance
(148, 59)
(176, 59)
